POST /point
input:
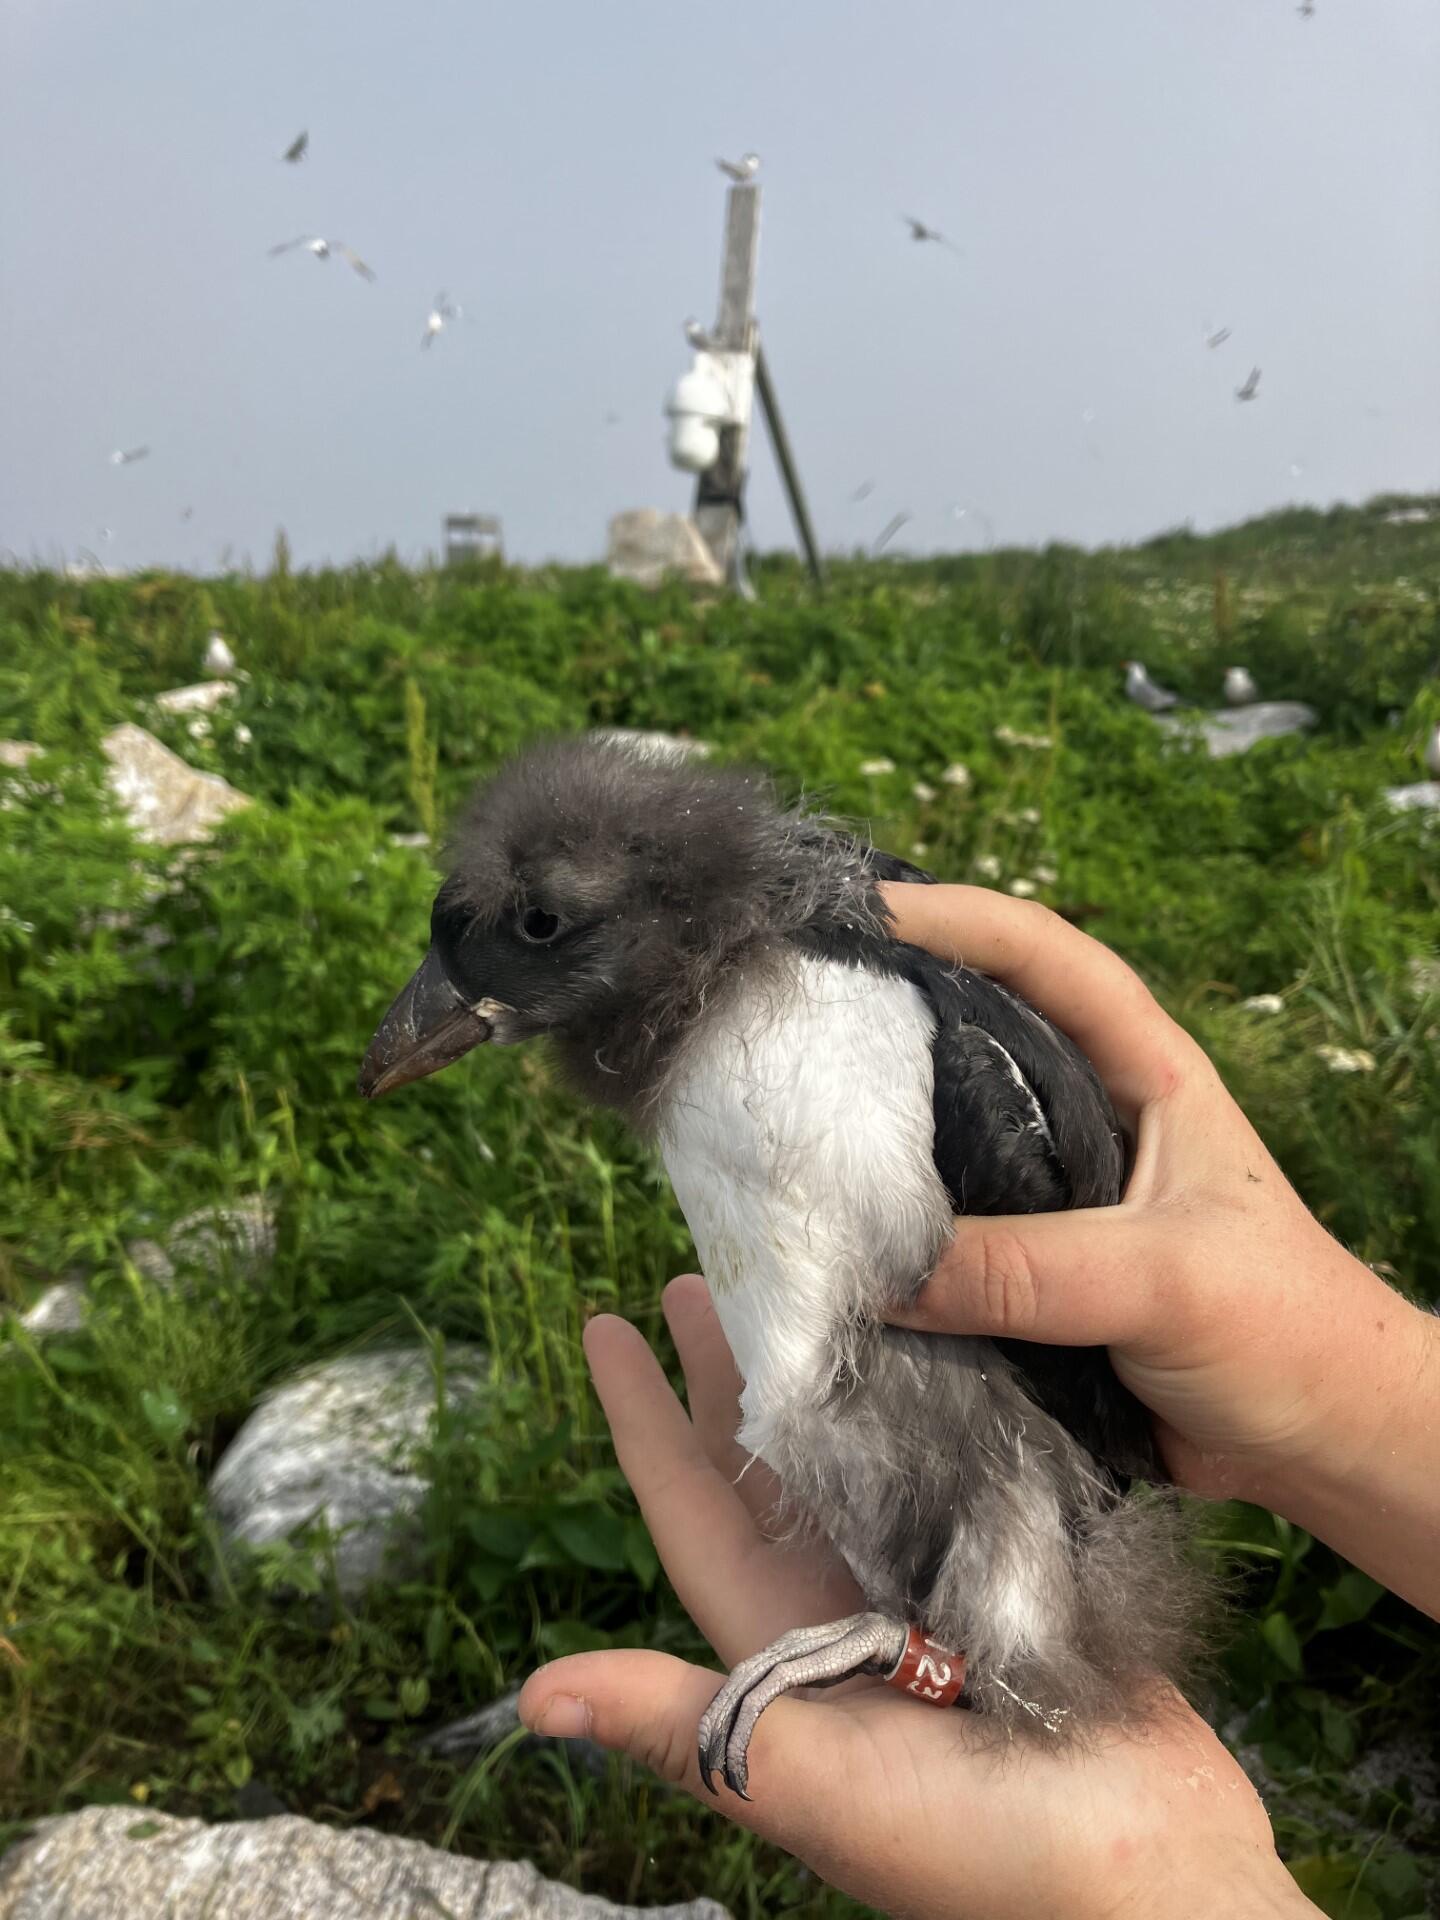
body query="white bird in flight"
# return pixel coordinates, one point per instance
(1251, 386)
(741, 170)
(297, 148)
(441, 311)
(1140, 688)
(127, 456)
(322, 250)
(1240, 688)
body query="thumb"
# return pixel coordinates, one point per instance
(1093, 1277)
(648, 1705)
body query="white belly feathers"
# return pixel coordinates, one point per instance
(798, 1134)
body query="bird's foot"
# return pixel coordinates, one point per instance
(864, 1643)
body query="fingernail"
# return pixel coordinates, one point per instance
(564, 1717)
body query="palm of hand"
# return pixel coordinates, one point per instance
(903, 1806)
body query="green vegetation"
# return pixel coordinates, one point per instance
(173, 1034)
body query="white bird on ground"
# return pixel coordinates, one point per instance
(1431, 754)
(742, 170)
(1140, 688)
(322, 250)
(297, 148)
(1216, 336)
(1251, 386)
(127, 456)
(219, 660)
(441, 311)
(1240, 688)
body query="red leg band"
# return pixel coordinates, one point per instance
(928, 1671)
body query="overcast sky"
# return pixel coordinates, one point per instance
(1118, 176)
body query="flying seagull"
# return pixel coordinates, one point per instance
(1251, 386)
(1140, 688)
(440, 311)
(889, 530)
(1240, 687)
(127, 456)
(919, 230)
(1306, 9)
(862, 492)
(297, 148)
(720, 968)
(1217, 336)
(741, 170)
(322, 250)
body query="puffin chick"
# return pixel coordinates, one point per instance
(720, 968)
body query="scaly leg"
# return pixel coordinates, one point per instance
(806, 1657)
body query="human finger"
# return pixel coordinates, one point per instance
(1084, 988)
(1090, 1277)
(712, 1388)
(740, 1591)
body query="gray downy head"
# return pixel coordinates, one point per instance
(604, 896)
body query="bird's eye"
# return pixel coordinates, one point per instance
(538, 926)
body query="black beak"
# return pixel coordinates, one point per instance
(430, 1025)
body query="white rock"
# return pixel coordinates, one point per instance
(654, 743)
(165, 801)
(62, 1308)
(646, 546)
(125, 1863)
(1235, 730)
(1422, 797)
(16, 754)
(202, 698)
(342, 1444)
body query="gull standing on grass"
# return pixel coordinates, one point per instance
(1140, 688)
(322, 250)
(1240, 688)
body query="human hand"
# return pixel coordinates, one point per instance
(900, 1805)
(1279, 1368)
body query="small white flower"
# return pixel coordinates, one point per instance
(1045, 876)
(987, 866)
(1029, 816)
(199, 727)
(1423, 973)
(873, 768)
(919, 849)
(243, 735)
(1034, 742)
(1022, 888)
(1263, 1003)
(922, 792)
(956, 775)
(1347, 1059)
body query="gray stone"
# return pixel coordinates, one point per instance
(165, 801)
(1236, 729)
(647, 546)
(122, 1863)
(343, 1444)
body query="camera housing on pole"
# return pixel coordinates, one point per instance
(710, 407)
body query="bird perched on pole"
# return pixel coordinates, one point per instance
(1140, 688)
(1240, 687)
(719, 967)
(741, 171)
